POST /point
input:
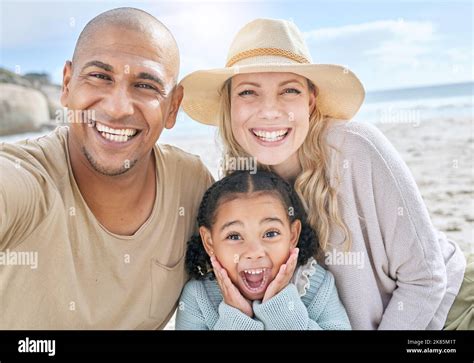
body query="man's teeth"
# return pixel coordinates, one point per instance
(270, 136)
(117, 138)
(120, 132)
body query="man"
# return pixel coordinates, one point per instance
(103, 211)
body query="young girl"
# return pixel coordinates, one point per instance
(393, 269)
(251, 265)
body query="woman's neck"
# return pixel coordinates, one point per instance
(289, 169)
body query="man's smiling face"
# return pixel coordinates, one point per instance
(122, 82)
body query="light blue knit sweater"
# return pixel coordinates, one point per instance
(314, 305)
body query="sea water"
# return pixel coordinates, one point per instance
(408, 105)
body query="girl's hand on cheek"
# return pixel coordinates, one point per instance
(231, 293)
(283, 277)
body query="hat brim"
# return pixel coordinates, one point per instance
(340, 93)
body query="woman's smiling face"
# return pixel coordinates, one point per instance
(251, 238)
(270, 114)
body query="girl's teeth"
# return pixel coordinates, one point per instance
(254, 272)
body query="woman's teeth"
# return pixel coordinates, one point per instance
(270, 136)
(117, 135)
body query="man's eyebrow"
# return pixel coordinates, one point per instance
(272, 219)
(99, 64)
(228, 224)
(151, 77)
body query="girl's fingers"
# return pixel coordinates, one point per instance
(217, 268)
(292, 261)
(217, 272)
(281, 274)
(223, 279)
(215, 264)
(294, 254)
(231, 288)
(227, 281)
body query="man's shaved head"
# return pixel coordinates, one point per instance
(133, 20)
(123, 76)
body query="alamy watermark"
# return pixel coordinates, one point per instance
(28, 345)
(344, 258)
(229, 163)
(19, 258)
(65, 115)
(393, 115)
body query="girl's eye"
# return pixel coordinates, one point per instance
(101, 76)
(233, 237)
(247, 92)
(272, 234)
(292, 90)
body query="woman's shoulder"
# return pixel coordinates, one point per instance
(362, 143)
(355, 135)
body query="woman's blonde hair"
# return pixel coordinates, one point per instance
(313, 185)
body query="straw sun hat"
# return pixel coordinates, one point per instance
(268, 45)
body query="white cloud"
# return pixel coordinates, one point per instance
(389, 41)
(393, 53)
(204, 31)
(415, 30)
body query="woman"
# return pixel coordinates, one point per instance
(393, 270)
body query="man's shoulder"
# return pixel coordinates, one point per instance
(171, 151)
(45, 154)
(178, 159)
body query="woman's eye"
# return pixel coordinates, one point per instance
(292, 90)
(247, 92)
(100, 76)
(271, 234)
(233, 237)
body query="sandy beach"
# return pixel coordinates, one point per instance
(439, 153)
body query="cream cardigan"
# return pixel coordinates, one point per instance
(401, 273)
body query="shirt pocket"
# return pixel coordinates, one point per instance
(167, 283)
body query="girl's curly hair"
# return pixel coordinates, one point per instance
(198, 263)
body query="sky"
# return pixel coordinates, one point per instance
(387, 44)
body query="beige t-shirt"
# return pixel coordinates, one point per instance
(61, 269)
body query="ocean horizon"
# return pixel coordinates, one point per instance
(405, 105)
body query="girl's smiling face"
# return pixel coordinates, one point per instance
(251, 237)
(270, 114)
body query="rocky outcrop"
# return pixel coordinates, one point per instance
(22, 109)
(27, 103)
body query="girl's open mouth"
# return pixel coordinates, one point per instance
(255, 281)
